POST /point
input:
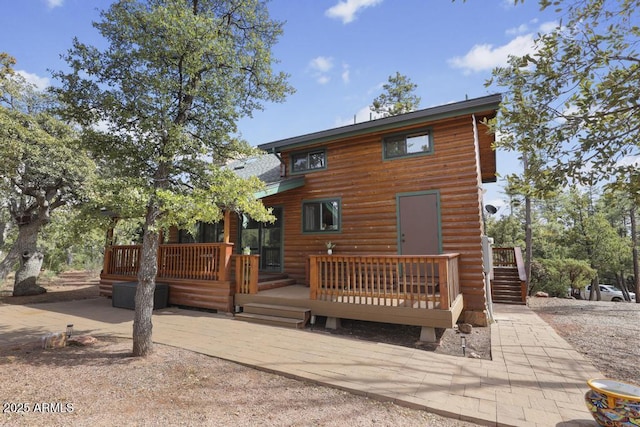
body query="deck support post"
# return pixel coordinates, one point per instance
(428, 334)
(332, 323)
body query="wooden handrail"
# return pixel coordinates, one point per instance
(520, 264)
(422, 281)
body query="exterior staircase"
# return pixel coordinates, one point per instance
(275, 315)
(506, 286)
(507, 281)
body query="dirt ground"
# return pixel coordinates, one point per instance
(477, 342)
(103, 385)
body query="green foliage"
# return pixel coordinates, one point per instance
(398, 97)
(43, 164)
(573, 104)
(555, 276)
(72, 241)
(507, 231)
(168, 91)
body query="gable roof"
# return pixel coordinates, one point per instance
(267, 167)
(476, 105)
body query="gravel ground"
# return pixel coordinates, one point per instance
(607, 333)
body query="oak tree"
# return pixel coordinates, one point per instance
(43, 168)
(160, 104)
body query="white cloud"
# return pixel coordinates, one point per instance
(319, 67)
(54, 3)
(346, 10)
(521, 29)
(547, 27)
(41, 83)
(484, 57)
(629, 161)
(321, 64)
(346, 74)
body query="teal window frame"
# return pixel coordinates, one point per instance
(321, 216)
(404, 139)
(203, 232)
(307, 155)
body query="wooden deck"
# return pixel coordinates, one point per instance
(395, 312)
(420, 290)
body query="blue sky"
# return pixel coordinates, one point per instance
(338, 53)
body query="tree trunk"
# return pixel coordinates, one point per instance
(528, 237)
(142, 325)
(25, 242)
(636, 264)
(27, 275)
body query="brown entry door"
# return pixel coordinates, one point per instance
(419, 231)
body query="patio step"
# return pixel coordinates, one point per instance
(275, 315)
(276, 283)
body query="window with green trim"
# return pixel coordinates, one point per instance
(203, 233)
(321, 216)
(308, 161)
(411, 144)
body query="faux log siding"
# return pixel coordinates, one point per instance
(368, 186)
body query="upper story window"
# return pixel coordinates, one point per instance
(309, 160)
(408, 144)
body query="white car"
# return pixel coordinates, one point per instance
(608, 293)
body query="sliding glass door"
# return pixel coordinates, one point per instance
(264, 239)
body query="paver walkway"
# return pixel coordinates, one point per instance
(535, 378)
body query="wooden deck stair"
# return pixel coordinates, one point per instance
(268, 281)
(275, 315)
(506, 286)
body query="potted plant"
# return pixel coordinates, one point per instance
(246, 250)
(330, 245)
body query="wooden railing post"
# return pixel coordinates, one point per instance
(247, 274)
(253, 273)
(224, 261)
(443, 274)
(106, 265)
(313, 277)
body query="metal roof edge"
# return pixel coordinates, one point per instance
(280, 187)
(427, 114)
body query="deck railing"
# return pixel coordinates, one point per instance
(197, 261)
(504, 257)
(247, 267)
(419, 281)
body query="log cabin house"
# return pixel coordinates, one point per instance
(399, 197)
